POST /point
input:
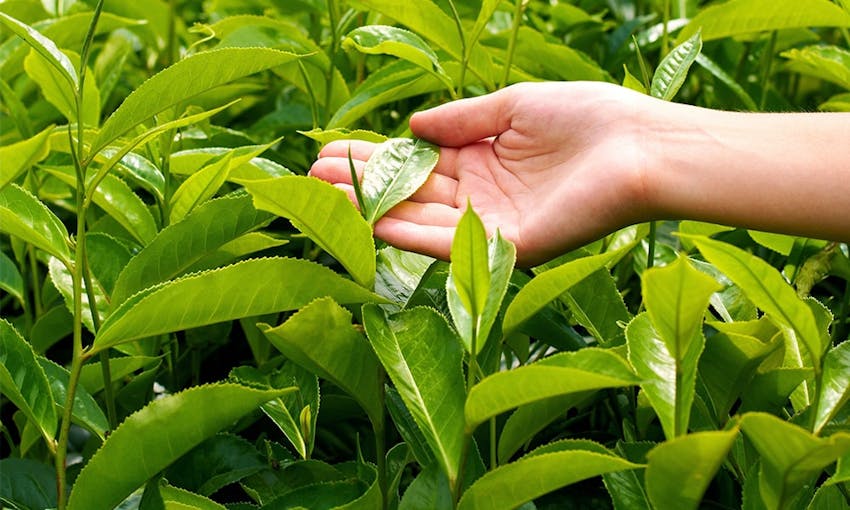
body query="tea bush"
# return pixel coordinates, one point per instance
(188, 321)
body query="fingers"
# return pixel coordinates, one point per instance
(466, 121)
(359, 149)
(431, 240)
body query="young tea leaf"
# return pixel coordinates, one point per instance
(468, 284)
(18, 157)
(423, 358)
(396, 169)
(45, 47)
(835, 386)
(26, 217)
(86, 411)
(672, 71)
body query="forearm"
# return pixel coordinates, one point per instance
(786, 173)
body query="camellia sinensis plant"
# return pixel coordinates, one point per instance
(188, 321)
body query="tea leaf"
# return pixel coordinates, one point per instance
(513, 484)
(672, 71)
(91, 376)
(57, 92)
(199, 187)
(314, 337)
(24, 382)
(427, 375)
(829, 63)
(718, 72)
(468, 285)
(358, 490)
(557, 375)
(116, 198)
(137, 169)
(547, 286)
(767, 289)
(382, 39)
(11, 280)
(180, 245)
(669, 381)
(179, 499)
(790, 456)
(396, 169)
(86, 411)
(20, 156)
(679, 470)
(45, 47)
(325, 136)
(430, 489)
(738, 17)
(219, 461)
(185, 79)
(159, 434)
(24, 216)
(325, 215)
(409, 430)
(277, 284)
(63, 280)
(835, 386)
(769, 391)
(399, 273)
(27, 483)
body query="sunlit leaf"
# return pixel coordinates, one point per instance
(323, 213)
(18, 157)
(680, 470)
(427, 375)
(86, 411)
(156, 436)
(278, 284)
(672, 71)
(57, 92)
(829, 63)
(24, 216)
(45, 47)
(835, 385)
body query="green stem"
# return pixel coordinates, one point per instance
(493, 461)
(767, 68)
(464, 51)
(333, 19)
(665, 31)
(37, 308)
(650, 254)
(517, 22)
(381, 445)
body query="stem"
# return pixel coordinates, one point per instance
(665, 31)
(650, 254)
(768, 67)
(37, 308)
(517, 22)
(171, 44)
(333, 19)
(493, 463)
(381, 448)
(464, 61)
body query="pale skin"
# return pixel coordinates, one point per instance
(556, 165)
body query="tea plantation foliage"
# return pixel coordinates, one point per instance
(188, 321)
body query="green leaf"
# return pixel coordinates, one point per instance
(91, 376)
(11, 280)
(20, 156)
(151, 439)
(719, 73)
(547, 286)
(136, 169)
(45, 47)
(536, 54)
(769, 391)
(185, 79)
(791, 457)
(676, 297)
(86, 411)
(513, 484)
(468, 285)
(358, 490)
(429, 490)
(27, 484)
(116, 198)
(57, 92)
(179, 246)
(829, 63)
(672, 71)
(835, 385)
(63, 281)
(393, 82)
(767, 289)
(680, 470)
(399, 273)
(314, 337)
(277, 284)
(396, 169)
(409, 430)
(324, 136)
(738, 17)
(24, 383)
(198, 188)
(387, 40)
(24, 216)
(558, 375)
(179, 499)
(669, 382)
(423, 358)
(325, 215)
(219, 461)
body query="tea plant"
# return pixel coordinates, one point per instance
(188, 321)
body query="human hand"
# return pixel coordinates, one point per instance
(551, 165)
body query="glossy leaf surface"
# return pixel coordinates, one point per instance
(24, 383)
(382, 39)
(198, 188)
(314, 337)
(561, 374)
(680, 470)
(423, 357)
(325, 215)
(672, 71)
(18, 157)
(219, 461)
(396, 169)
(24, 216)
(58, 93)
(45, 47)
(159, 434)
(835, 385)
(219, 295)
(86, 411)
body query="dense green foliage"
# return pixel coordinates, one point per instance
(188, 321)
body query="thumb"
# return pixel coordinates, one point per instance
(467, 120)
